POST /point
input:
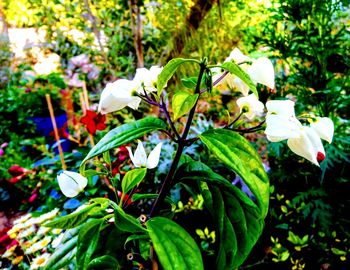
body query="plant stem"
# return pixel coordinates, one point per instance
(162, 105)
(216, 82)
(167, 184)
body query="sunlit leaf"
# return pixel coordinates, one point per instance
(239, 72)
(175, 248)
(182, 103)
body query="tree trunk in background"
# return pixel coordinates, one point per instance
(94, 22)
(136, 27)
(5, 52)
(197, 13)
(3, 23)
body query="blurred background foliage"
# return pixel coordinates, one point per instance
(308, 40)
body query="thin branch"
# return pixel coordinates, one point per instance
(165, 110)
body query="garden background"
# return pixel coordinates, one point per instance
(72, 49)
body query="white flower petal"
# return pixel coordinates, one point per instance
(118, 95)
(139, 159)
(279, 128)
(71, 183)
(240, 85)
(134, 103)
(147, 78)
(308, 145)
(153, 158)
(324, 127)
(261, 71)
(237, 56)
(251, 104)
(281, 107)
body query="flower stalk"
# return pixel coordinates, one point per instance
(182, 143)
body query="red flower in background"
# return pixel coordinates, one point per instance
(62, 132)
(93, 121)
(17, 173)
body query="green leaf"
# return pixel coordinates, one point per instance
(122, 135)
(339, 252)
(190, 82)
(239, 155)
(138, 196)
(126, 222)
(239, 221)
(133, 178)
(225, 233)
(87, 242)
(63, 255)
(134, 237)
(105, 262)
(145, 247)
(175, 248)
(72, 220)
(169, 70)
(239, 72)
(182, 103)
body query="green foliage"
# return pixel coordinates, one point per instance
(236, 70)
(106, 262)
(169, 70)
(87, 241)
(64, 255)
(182, 103)
(76, 218)
(122, 135)
(133, 178)
(237, 153)
(126, 222)
(238, 221)
(174, 246)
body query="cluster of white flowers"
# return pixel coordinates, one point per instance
(260, 71)
(120, 93)
(72, 183)
(281, 122)
(305, 141)
(33, 239)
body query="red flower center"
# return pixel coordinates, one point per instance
(320, 156)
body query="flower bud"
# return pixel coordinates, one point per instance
(71, 183)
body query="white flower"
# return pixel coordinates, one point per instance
(118, 95)
(237, 56)
(147, 79)
(281, 124)
(139, 158)
(308, 145)
(324, 127)
(25, 233)
(22, 218)
(71, 183)
(40, 245)
(280, 107)
(279, 127)
(261, 71)
(40, 261)
(250, 105)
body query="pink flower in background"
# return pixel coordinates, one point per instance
(74, 81)
(79, 60)
(17, 173)
(2, 152)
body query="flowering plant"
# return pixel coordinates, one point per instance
(145, 227)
